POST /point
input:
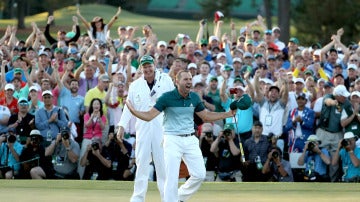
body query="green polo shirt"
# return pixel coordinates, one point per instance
(179, 111)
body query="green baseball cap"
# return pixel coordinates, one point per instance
(58, 50)
(146, 59)
(294, 40)
(18, 70)
(214, 78)
(229, 126)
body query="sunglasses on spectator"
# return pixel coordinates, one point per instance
(353, 60)
(47, 97)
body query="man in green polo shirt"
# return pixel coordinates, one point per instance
(180, 141)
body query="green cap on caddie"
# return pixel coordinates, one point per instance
(146, 59)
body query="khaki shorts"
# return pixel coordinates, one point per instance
(329, 140)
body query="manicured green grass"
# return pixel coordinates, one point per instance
(107, 191)
(165, 28)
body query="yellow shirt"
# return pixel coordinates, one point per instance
(95, 93)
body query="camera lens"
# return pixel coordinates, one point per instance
(344, 143)
(275, 154)
(11, 138)
(95, 145)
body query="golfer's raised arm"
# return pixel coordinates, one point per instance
(146, 116)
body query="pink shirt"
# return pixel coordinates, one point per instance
(94, 129)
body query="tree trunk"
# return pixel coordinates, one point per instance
(284, 19)
(267, 5)
(21, 14)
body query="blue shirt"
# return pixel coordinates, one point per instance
(244, 118)
(9, 76)
(74, 104)
(319, 165)
(179, 111)
(6, 153)
(348, 167)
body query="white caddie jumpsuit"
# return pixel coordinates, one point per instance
(149, 135)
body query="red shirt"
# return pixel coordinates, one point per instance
(12, 106)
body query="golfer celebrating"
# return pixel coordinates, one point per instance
(180, 141)
(143, 94)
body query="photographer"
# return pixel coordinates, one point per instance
(35, 164)
(226, 148)
(350, 158)
(207, 137)
(316, 159)
(277, 167)
(65, 154)
(22, 121)
(10, 150)
(119, 151)
(256, 149)
(96, 161)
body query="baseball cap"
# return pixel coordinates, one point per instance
(238, 79)
(229, 126)
(211, 38)
(258, 55)
(203, 42)
(220, 55)
(271, 57)
(269, 31)
(65, 129)
(146, 59)
(276, 29)
(10, 86)
(128, 43)
(317, 52)
(43, 53)
(247, 54)
(15, 58)
(349, 135)
(58, 50)
(357, 93)
(257, 123)
(294, 40)
(47, 92)
(192, 65)
(198, 52)
(104, 77)
(299, 80)
(340, 90)
(161, 43)
(328, 84)
(274, 87)
(321, 80)
(237, 59)
(18, 70)
(33, 88)
(228, 68)
(301, 95)
(309, 71)
(313, 138)
(352, 66)
(214, 78)
(35, 133)
(23, 100)
(249, 42)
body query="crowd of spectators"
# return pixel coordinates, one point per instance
(61, 100)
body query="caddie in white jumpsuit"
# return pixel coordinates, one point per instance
(180, 141)
(143, 93)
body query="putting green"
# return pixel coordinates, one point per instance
(107, 191)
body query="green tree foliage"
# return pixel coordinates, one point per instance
(225, 6)
(317, 20)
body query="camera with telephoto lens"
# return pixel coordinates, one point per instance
(275, 154)
(311, 146)
(65, 135)
(208, 134)
(344, 142)
(10, 138)
(227, 132)
(95, 145)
